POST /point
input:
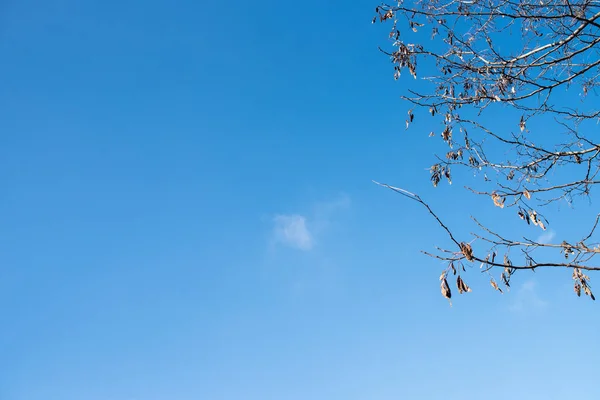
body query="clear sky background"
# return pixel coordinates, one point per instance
(187, 212)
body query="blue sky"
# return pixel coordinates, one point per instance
(187, 213)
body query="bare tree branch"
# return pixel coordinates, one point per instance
(511, 57)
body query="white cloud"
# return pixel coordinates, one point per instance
(302, 231)
(546, 237)
(527, 299)
(292, 231)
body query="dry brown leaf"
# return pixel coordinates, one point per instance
(498, 200)
(587, 290)
(533, 217)
(505, 279)
(495, 285)
(541, 225)
(447, 134)
(522, 124)
(462, 286)
(467, 251)
(527, 194)
(445, 289)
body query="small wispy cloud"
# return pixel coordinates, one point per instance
(292, 231)
(527, 299)
(546, 237)
(301, 231)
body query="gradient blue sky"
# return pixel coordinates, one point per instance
(187, 213)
